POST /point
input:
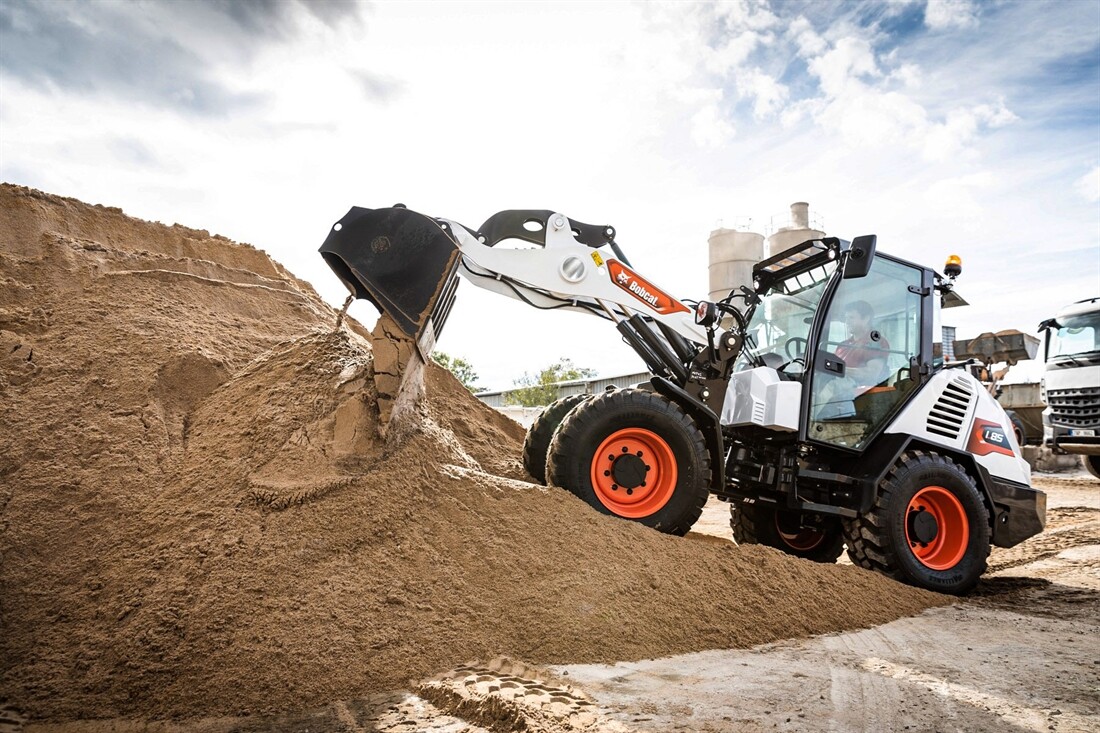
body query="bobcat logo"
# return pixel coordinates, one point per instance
(623, 278)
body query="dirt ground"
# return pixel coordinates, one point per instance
(1022, 653)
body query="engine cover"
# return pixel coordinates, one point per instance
(760, 397)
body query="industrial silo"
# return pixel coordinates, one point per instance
(733, 252)
(790, 230)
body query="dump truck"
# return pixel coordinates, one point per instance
(809, 401)
(1071, 382)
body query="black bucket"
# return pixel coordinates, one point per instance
(403, 262)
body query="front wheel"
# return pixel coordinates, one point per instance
(633, 454)
(1092, 465)
(928, 527)
(810, 536)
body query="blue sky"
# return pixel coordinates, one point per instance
(943, 127)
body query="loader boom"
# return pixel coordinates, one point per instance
(407, 265)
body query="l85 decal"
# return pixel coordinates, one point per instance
(988, 437)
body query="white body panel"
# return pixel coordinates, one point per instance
(569, 270)
(759, 397)
(952, 410)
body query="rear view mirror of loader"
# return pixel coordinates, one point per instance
(860, 254)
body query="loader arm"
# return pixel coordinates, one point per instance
(407, 264)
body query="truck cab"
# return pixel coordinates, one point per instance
(1071, 382)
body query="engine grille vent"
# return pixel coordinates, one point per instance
(759, 412)
(947, 415)
(1075, 408)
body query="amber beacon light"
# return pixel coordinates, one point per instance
(953, 267)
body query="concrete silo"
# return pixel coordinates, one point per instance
(788, 231)
(733, 252)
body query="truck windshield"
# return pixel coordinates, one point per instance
(1076, 335)
(780, 325)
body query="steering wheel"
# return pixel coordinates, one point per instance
(795, 347)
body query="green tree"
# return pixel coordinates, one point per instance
(456, 365)
(539, 390)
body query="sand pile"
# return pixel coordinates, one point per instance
(197, 516)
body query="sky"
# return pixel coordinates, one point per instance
(942, 126)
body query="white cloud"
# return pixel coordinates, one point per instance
(843, 65)
(941, 14)
(952, 136)
(710, 128)
(1088, 185)
(767, 93)
(807, 42)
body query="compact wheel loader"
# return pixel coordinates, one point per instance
(812, 402)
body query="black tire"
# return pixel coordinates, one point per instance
(818, 537)
(880, 539)
(609, 427)
(1018, 428)
(537, 442)
(1091, 464)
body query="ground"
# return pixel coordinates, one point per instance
(1022, 653)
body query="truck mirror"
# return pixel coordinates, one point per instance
(860, 254)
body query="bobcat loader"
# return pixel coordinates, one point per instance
(817, 439)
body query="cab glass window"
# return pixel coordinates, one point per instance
(862, 358)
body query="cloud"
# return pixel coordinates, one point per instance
(709, 126)
(1088, 185)
(943, 14)
(161, 54)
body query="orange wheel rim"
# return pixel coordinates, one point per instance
(634, 472)
(937, 528)
(794, 536)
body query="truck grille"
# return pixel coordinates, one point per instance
(1074, 408)
(947, 415)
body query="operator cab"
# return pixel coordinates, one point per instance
(865, 324)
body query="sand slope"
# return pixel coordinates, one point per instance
(198, 518)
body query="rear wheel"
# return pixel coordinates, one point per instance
(541, 432)
(928, 527)
(813, 537)
(633, 454)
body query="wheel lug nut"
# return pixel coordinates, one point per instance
(639, 454)
(625, 449)
(606, 473)
(629, 492)
(614, 487)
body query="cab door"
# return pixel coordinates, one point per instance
(869, 351)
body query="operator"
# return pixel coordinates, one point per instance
(865, 350)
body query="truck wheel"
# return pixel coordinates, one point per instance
(928, 526)
(759, 524)
(633, 454)
(1091, 464)
(537, 442)
(1017, 427)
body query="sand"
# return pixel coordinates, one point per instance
(200, 516)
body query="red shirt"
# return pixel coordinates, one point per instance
(859, 354)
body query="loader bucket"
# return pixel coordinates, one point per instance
(406, 264)
(403, 262)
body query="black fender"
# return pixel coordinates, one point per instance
(709, 424)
